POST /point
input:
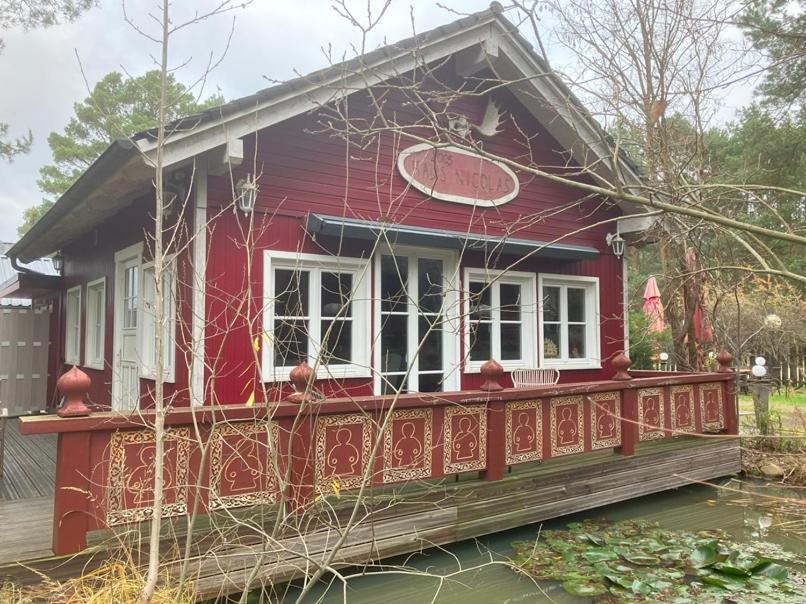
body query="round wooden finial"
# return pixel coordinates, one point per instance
(74, 385)
(301, 377)
(492, 372)
(621, 362)
(724, 358)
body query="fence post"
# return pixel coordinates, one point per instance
(496, 441)
(629, 421)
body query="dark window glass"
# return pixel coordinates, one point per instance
(391, 383)
(576, 305)
(337, 340)
(510, 341)
(551, 303)
(429, 286)
(290, 342)
(290, 293)
(430, 382)
(337, 289)
(394, 278)
(394, 343)
(430, 357)
(576, 341)
(480, 341)
(510, 302)
(480, 301)
(551, 341)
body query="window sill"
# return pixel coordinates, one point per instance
(475, 366)
(570, 365)
(280, 374)
(76, 362)
(94, 366)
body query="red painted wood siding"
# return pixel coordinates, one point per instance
(301, 172)
(93, 256)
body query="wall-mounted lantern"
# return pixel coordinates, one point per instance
(246, 190)
(58, 262)
(616, 242)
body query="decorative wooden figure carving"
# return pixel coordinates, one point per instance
(492, 372)
(621, 362)
(74, 385)
(724, 358)
(301, 377)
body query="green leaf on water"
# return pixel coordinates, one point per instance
(771, 570)
(704, 555)
(585, 589)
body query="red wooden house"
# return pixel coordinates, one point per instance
(388, 263)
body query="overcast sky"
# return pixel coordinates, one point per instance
(42, 74)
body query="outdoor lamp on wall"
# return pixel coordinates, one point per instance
(615, 241)
(760, 361)
(58, 262)
(246, 190)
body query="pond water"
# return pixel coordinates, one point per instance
(691, 508)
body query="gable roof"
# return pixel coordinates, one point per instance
(123, 171)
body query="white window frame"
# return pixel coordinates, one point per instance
(72, 332)
(592, 318)
(451, 333)
(495, 278)
(96, 361)
(359, 367)
(147, 369)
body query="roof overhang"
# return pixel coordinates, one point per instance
(125, 169)
(368, 230)
(108, 185)
(30, 286)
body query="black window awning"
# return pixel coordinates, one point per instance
(353, 228)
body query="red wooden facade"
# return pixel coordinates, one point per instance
(302, 173)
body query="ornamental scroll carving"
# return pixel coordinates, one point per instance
(606, 426)
(651, 418)
(407, 445)
(712, 408)
(567, 427)
(524, 432)
(465, 432)
(130, 492)
(243, 467)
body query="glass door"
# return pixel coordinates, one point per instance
(414, 334)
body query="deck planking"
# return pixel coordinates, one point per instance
(29, 464)
(441, 512)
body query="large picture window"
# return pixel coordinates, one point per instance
(569, 322)
(96, 324)
(72, 326)
(317, 309)
(500, 319)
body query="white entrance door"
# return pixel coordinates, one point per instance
(126, 378)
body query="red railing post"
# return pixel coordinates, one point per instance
(629, 421)
(496, 441)
(71, 498)
(725, 359)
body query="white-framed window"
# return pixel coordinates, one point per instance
(148, 327)
(416, 321)
(316, 308)
(95, 329)
(569, 321)
(500, 319)
(72, 326)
